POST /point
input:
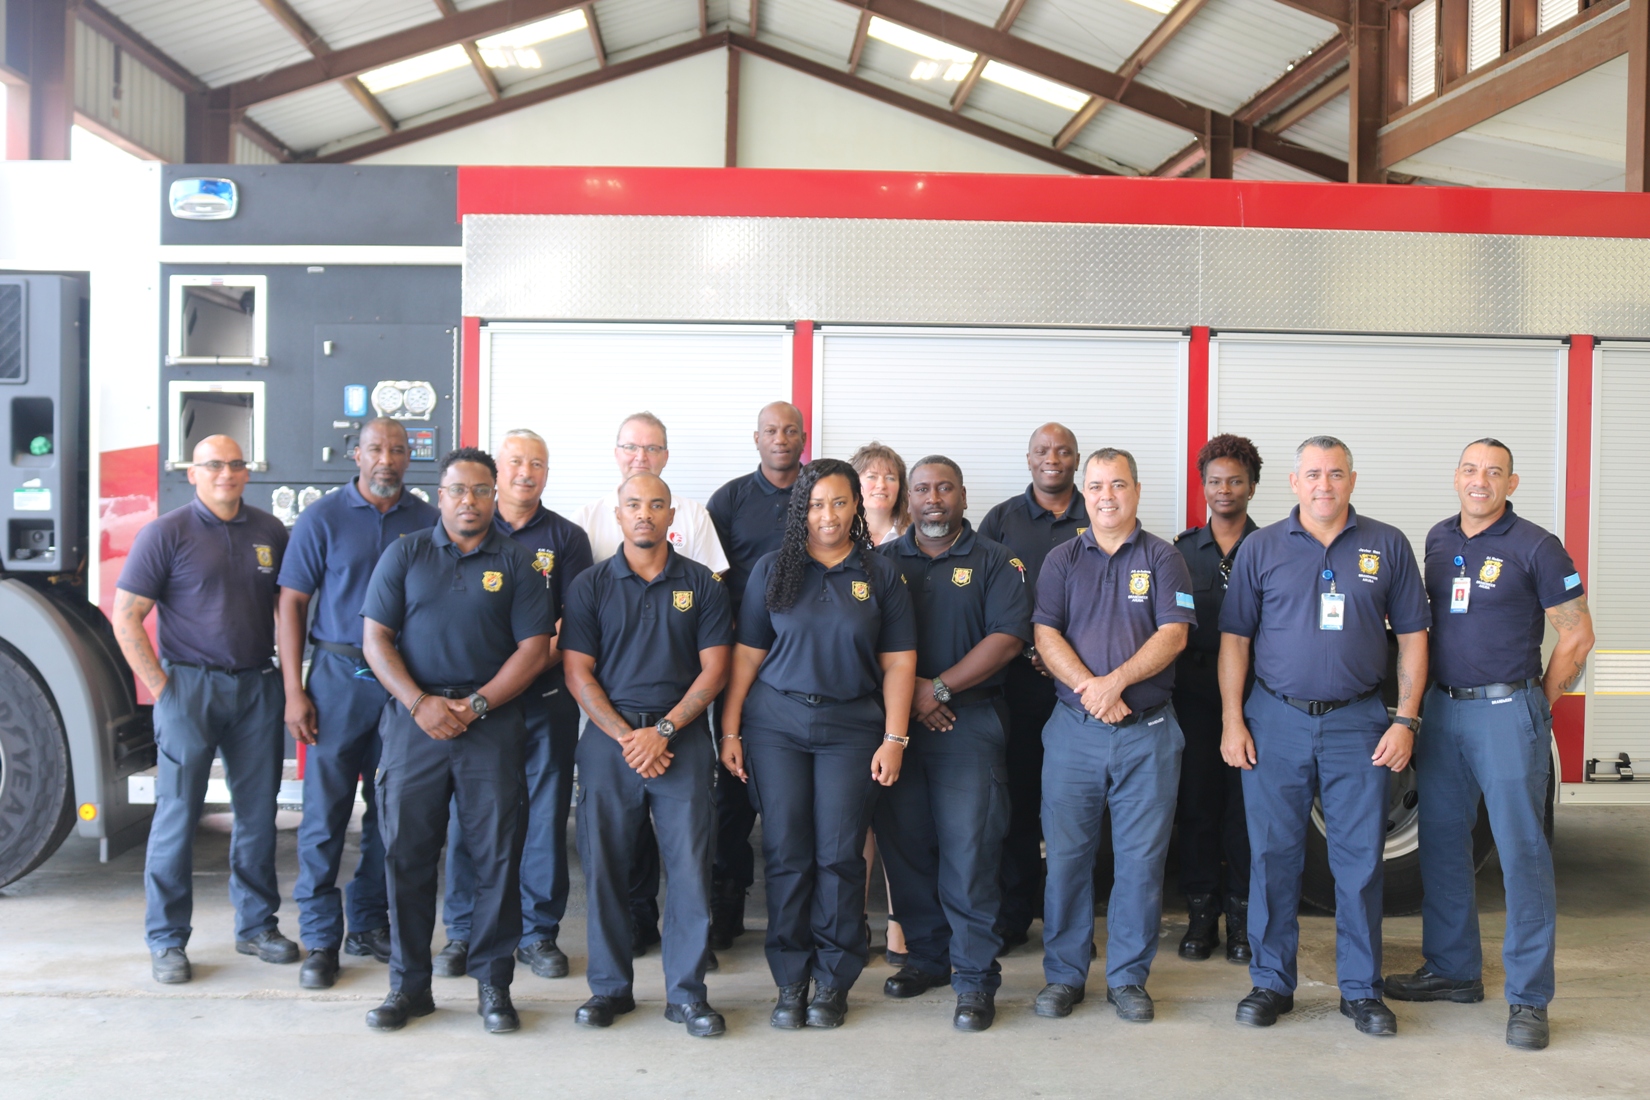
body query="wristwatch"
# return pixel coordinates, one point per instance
(896, 739)
(941, 692)
(478, 703)
(666, 728)
(1414, 724)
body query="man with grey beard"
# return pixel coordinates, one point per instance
(335, 545)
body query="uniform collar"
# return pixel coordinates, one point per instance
(1203, 537)
(767, 486)
(673, 565)
(908, 547)
(489, 542)
(1074, 510)
(210, 516)
(854, 560)
(1499, 527)
(1295, 525)
(506, 530)
(1092, 543)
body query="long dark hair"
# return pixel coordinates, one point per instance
(785, 582)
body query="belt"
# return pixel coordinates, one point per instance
(1317, 708)
(1139, 716)
(220, 668)
(642, 719)
(455, 691)
(354, 653)
(819, 700)
(974, 696)
(1489, 691)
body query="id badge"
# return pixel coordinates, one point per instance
(1460, 592)
(1331, 610)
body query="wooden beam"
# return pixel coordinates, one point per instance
(288, 17)
(730, 142)
(1074, 126)
(704, 18)
(40, 45)
(101, 20)
(1452, 41)
(1366, 81)
(1169, 26)
(596, 36)
(754, 13)
(484, 72)
(1280, 148)
(1310, 102)
(265, 140)
(1217, 145)
(1564, 52)
(1638, 96)
(1299, 79)
(466, 25)
(1035, 149)
(369, 102)
(1011, 12)
(861, 34)
(1523, 21)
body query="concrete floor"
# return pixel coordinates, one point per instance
(80, 1017)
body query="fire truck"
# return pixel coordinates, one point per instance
(146, 306)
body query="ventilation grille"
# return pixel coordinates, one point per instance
(12, 344)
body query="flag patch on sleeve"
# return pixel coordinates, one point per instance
(1184, 599)
(1572, 581)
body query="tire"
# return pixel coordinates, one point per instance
(37, 806)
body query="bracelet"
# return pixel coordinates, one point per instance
(423, 695)
(896, 739)
(731, 737)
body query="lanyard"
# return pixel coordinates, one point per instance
(1329, 575)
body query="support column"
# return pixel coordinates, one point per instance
(1367, 72)
(1217, 145)
(730, 156)
(1638, 95)
(206, 131)
(40, 45)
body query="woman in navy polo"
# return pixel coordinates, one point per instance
(814, 719)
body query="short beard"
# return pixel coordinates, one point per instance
(381, 490)
(933, 530)
(640, 545)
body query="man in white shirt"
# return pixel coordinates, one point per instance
(643, 447)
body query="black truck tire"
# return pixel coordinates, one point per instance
(37, 807)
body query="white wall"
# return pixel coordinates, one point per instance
(675, 116)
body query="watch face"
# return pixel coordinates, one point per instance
(478, 704)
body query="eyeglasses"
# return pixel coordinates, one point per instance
(633, 449)
(217, 466)
(477, 492)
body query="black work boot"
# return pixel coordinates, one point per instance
(727, 914)
(1237, 931)
(1202, 928)
(493, 1005)
(791, 1010)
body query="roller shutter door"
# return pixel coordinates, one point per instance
(976, 395)
(573, 384)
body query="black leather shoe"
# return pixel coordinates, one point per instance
(1011, 940)
(975, 1011)
(320, 969)
(1262, 1007)
(828, 1008)
(703, 1021)
(493, 1005)
(712, 962)
(1370, 1016)
(398, 1008)
(546, 959)
(374, 942)
(1527, 1027)
(911, 982)
(1424, 985)
(170, 966)
(1133, 1003)
(1056, 1000)
(599, 1010)
(270, 946)
(453, 960)
(727, 915)
(1202, 928)
(791, 1010)
(1237, 931)
(642, 937)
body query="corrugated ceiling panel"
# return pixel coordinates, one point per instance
(423, 96)
(1232, 49)
(1255, 166)
(1101, 32)
(980, 11)
(994, 104)
(314, 117)
(556, 55)
(247, 151)
(1327, 129)
(828, 28)
(627, 24)
(139, 104)
(1131, 138)
(220, 41)
(891, 66)
(347, 23)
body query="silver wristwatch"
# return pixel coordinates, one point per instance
(666, 728)
(941, 692)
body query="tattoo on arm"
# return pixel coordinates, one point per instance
(1567, 616)
(600, 709)
(694, 704)
(1569, 679)
(134, 640)
(1406, 686)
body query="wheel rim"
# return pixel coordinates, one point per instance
(1403, 822)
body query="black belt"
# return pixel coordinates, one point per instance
(456, 691)
(1138, 716)
(1489, 691)
(642, 719)
(221, 668)
(354, 653)
(974, 696)
(1317, 708)
(817, 700)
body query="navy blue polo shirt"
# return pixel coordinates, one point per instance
(459, 616)
(646, 635)
(1108, 605)
(335, 544)
(214, 583)
(960, 596)
(1030, 531)
(560, 550)
(1203, 557)
(828, 643)
(749, 514)
(1274, 599)
(1518, 569)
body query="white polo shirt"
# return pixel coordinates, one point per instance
(693, 535)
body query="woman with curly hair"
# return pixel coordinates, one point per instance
(813, 720)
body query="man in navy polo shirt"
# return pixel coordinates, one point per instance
(335, 544)
(1312, 595)
(1491, 575)
(648, 637)
(941, 826)
(1050, 512)
(210, 567)
(749, 514)
(561, 551)
(1114, 609)
(456, 628)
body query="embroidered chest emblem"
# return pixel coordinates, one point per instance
(1140, 582)
(492, 581)
(962, 577)
(266, 556)
(860, 589)
(544, 561)
(1490, 571)
(682, 601)
(1369, 563)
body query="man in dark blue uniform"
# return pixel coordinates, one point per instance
(561, 551)
(1311, 595)
(1491, 575)
(210, 567)
(1050, 512)
(335, 544)
(457, 627)
(749, 514)
(648, 636)
(942, 824)
(1113, 611)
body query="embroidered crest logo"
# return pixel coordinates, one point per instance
(717, 577)
(544, 561)
(682, 601)
(1369, 563)
(266, 556)
(962, 577)
(1490, 571)
(1140, 582)
(860, 589)
(1020, 565)
(1081, 530)
(492, 581)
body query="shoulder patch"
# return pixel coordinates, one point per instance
(1572, 581)
(717, 577)
(1184, 599)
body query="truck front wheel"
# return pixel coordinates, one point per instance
(36, 785)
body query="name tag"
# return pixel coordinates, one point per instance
(1332, 611)
(1460, 592)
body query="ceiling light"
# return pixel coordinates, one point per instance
(413, 69)
(533, 33)
(1162, 7)
(1046, 90)
(920, 44)
(519, 58)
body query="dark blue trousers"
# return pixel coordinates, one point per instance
(478, 774)
(940, 830)
(810, 770)
(1499, 748)
(198, 716)
(1030, 698)
(613, 803)
(1087, 766)
(1299, 757)
(1214, 832)
(552, 719)
(347, 709)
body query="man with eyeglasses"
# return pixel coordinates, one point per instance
(335, 545)
(456, 629)
(210, 567)
(561, 551)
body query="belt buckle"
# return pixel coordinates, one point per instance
(1317, 708)
(814, 700)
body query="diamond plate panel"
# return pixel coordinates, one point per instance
(529, 267)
